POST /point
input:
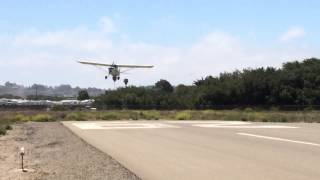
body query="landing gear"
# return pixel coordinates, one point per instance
(126, 82)
(106, 77)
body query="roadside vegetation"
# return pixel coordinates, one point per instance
(248, 114)
(294, 86)
(5, 125)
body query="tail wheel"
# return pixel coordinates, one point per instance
(126, 81)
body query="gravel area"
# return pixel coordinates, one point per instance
(53, 152)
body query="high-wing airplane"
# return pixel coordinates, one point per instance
(114, 69)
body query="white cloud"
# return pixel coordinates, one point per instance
(108, 25)
(80, 39)
(293, 34)
(50, 57)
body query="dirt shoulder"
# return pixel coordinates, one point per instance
(53, 152)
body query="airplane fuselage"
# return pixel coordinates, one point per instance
(114, 71)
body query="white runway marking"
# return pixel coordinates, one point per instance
(174, 124)
(240, 125)
(204, 122)
(246, 127)
(279, 139)
(121, 125)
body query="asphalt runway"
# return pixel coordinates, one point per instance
(215, 150)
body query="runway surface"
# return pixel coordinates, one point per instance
(221, 150)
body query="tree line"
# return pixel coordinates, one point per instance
(295, 83)
(42, 92)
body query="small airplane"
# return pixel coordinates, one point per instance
(114, 69)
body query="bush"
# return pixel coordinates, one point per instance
(149, 115)
(21, 117)
(42, 118)
(183, 116)
(3, 131)
(109, 116)
(134, 115)
(76, 116)
(283, 119)
(278, 118)
(59, 108)
(248, 109)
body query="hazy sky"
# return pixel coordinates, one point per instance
(41, 40)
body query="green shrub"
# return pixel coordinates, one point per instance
(278, 118)
(134, 116)
(77, 116)
(283, 119)
(59, 108)
(3, 131)
(231, 115)
(149, 115)
(184, 115)
(248, 109)
(42, 118)
(109, 116)
(21, 117)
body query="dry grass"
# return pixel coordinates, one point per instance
(8, 117)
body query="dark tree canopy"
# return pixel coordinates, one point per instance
(296, 83)
(83, 95)
(164, 85)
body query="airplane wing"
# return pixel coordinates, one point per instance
(122, 66)
(94, 64)
(134, 66)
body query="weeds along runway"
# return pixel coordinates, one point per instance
(222, 150)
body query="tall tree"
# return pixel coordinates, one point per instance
(164, 85)
(83, 95)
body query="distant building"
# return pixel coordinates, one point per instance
(46, 103)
